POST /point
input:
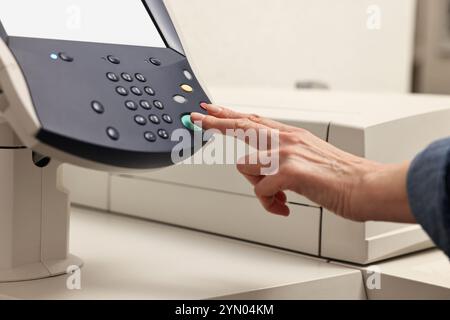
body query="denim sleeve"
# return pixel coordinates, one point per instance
(429, 192)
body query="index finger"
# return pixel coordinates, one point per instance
(211, 122)
(253, 134)
(224, 113)
(221, 112)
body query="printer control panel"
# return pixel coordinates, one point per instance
(117, 104)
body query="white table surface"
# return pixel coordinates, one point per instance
(423, 275)
(127, 258)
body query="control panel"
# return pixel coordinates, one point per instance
(114, 104)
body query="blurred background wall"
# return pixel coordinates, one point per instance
(432, 63)
(280, 43)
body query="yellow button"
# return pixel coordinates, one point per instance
(187, 88)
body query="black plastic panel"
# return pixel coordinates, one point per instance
(160, 16)
(3, 34)
(62, 93)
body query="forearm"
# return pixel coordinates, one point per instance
(385, 196)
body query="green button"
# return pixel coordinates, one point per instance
(187, 122)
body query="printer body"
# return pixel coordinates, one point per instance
(79, 84)
(388, 128)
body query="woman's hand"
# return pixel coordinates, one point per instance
(352, 187)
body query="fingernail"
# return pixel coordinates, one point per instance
(204, 105)
(197, 116)
(213, 109)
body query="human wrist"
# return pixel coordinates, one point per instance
(384, 194)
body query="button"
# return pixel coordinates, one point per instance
(145, 104)
(187, 88)
(149, 91)
(112, 76)
(154, 119)
(140, 120)
(65, 57)
(122, 91)
(140, 77)
(158, 104)
(136, 91)
(127, 77)
(150, 136)
(155, 62)
(113, 133)
(113, 60)
(97, 107)
(188, 75)
(167, 118)
(188, 124)
(179, 99)
(163, 134)
(131, 105)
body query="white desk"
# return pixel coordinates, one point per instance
(424, 275)
(419, 276)
(127, 258)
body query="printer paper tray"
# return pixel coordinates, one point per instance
(233, 215)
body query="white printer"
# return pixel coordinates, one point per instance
(81, 82)
(216, 199)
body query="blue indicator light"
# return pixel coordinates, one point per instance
(54, 56)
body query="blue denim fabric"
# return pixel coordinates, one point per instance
(429, 192)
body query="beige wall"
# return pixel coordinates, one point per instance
(277, 43)
(433, 47)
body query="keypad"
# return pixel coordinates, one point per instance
(155, 62)
(124, 114)
(113, 59)
(188, 75)
(140, 120)
(145, 104)
(167, 118)
(158, 104)
(127, 77)
(112, 133)
(187, 88)
(179, 99)
(155, 125)
(154, 119)
(188, 124)
(112, 76)
(97, 107)
(136, 91)
(131, 105)
(150, 136)
(122, 91)
(163, 134)
(140, 77)
(149, 91)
